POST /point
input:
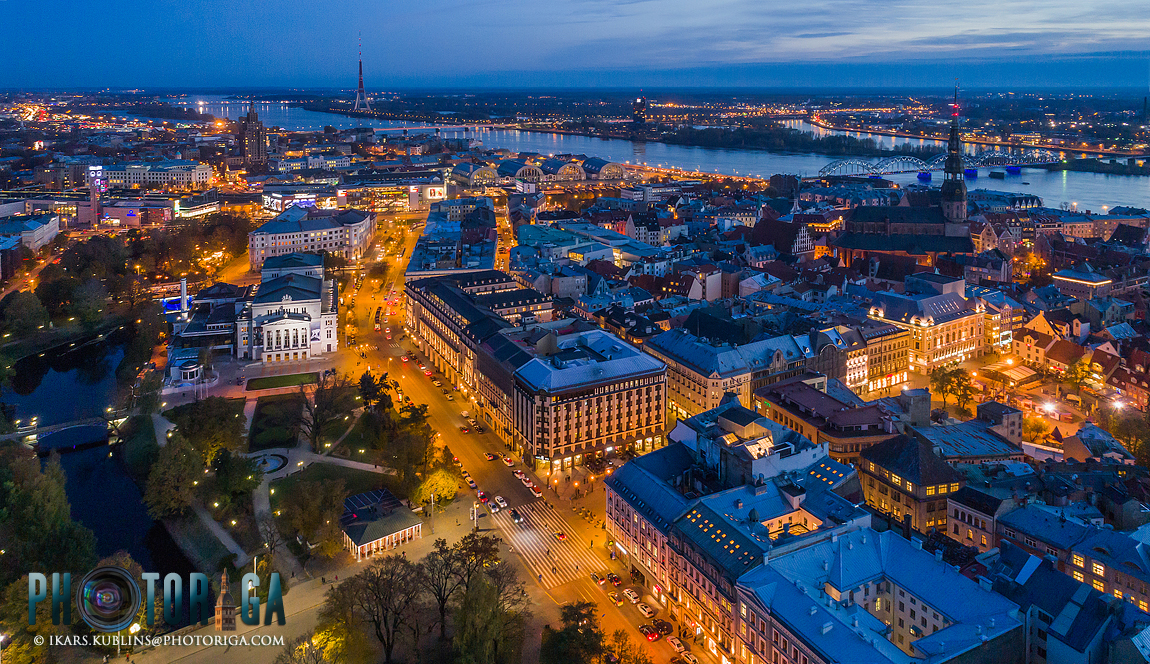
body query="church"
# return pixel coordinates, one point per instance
(917, 234)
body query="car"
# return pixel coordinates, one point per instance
(597, 579)
(615, 598)
(562, 537)
(388, 330)
(479, 429)
(445, 390)
(676, 644)
(422, 366)
(631, 596)
(451, 397)
(490, 457)
(437, 383)
(501, 500)
(406, 398)
(690, 659)
(389, 337)
(482, 497)
(649, 632)
(535, 491)
(471, 483)
(526, 481)
(464, 472)
(518, 473)
(493, 507)
(645, 610)
(427, 373)
(464, 430)
(404, 358)
(515, 516)
(663, 626)
(614, 579)
(507, 461)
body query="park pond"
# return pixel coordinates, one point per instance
(74, 383)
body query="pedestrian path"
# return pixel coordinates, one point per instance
(534, 540)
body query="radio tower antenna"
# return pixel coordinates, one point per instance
(360, 95)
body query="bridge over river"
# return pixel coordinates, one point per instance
(908, 164)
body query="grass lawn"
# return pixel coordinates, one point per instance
(356, 481)
(359, 438)
(274, 422)
(198, 542)
(173, 414)
(290, 380)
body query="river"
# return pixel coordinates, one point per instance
(1088, 191)
(60, 387)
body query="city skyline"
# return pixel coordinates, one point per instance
(590, 43)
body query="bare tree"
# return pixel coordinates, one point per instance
(302, 650)
(384, 596)
(442, 579)
(332, 398)
(269, 533)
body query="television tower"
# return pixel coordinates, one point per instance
(360, 95)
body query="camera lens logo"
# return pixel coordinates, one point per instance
(108, 599)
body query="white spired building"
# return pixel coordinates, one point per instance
(293, 314)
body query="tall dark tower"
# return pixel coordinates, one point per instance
(360, 95)
(253, 138)
(954, 186)
(225, 608)
(639, 110)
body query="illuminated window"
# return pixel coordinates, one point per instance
(930, 491)
(1118, 593)
(1078, 560)
(1099, 569)
(1079, 577)
(1099, 586)
(954, 487)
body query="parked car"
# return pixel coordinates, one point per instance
(689, 658)
(614, 579)
(649, 632)
(676, 644)
(507, 461)
(631, 595)
(597, 579)
(490, 457)
(518, 473)
(502, 502)
(535, 491)
(471, 483)
(645, 610)
(482, 497)
(614, 597)
(663, 626)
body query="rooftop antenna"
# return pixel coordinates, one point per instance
(360, 95)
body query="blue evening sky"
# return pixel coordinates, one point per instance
(574, 43)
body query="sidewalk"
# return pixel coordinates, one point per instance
(222, 535)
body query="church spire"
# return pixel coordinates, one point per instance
(954, 145)
(954, 186)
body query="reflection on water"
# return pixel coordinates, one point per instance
(78, 383)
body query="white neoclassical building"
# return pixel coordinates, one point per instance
(293, 314)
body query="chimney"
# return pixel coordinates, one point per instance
(916, 543)
(938, 556)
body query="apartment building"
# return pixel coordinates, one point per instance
(803, 404)
(1114, 563)
(864, 596)
(699, 373)
(689, 543)
(904, 478)
(346, 234)
(887, 355)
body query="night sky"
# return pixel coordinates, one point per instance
(575, 43)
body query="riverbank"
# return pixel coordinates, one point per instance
(942, 138)
(59, 338)
(1099, 166)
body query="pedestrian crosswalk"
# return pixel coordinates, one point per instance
(534, 540)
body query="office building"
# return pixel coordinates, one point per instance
(174, 174)
(944, 326)
(253, 139)
(904, 479)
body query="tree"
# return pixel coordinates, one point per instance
(89, 301)
(578, 641)
(477, 627)
(236, 475)
(962, 388)
(22, 313)
(332, 399)
(304, 649)
(1078, 373)
(212, 425)
(339, 627)
(270, 533)
(384, 595)
(942, 382)
(440, 483)
(626, 650)
(370, 389)
(170, 487)
(441, 578)
(1034, 429)
(55, 292)
(476, 552)
(312, 511)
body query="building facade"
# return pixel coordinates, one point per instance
(346, 234)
